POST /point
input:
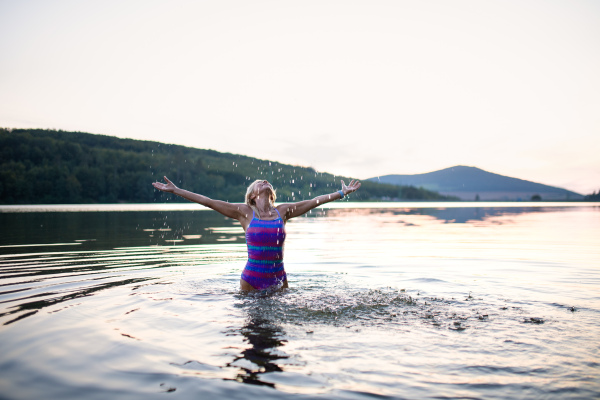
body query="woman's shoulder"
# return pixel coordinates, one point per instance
(245, 209)
(246, 214)
(283, 210)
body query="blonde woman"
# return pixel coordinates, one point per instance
(264, 224)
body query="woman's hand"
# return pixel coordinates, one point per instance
(352, 187)
(165, 187)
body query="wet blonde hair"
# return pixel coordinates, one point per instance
(251, 202)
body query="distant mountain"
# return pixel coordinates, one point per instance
(470, 183)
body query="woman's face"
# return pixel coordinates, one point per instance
(263, 186)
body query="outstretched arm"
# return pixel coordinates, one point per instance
(231, 210)
(293, 210)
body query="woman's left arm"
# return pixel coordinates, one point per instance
(292, 210)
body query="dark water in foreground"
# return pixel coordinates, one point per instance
(400, 302)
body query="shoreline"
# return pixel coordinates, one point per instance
(138, 207)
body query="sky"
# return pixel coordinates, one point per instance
(354, 88)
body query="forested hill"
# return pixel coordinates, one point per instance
(56, 167)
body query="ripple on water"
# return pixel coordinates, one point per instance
(171, 314)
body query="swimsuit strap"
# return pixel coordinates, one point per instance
(253, 214)
(278, 213)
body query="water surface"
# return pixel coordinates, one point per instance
(386, 300)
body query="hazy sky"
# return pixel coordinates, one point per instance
(357, 88)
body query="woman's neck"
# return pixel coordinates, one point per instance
(264, 208)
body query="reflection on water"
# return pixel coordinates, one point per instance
(24, 232)
(27, 232)
(463, 215)
(459, 302)
(263, 337)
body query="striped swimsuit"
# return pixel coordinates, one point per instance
(265, 253)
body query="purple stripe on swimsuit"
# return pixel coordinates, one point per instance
(265, 253)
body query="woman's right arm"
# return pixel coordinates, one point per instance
(302, 207)
(236, 211)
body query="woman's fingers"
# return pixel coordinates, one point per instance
(352, 186)
(165, 187)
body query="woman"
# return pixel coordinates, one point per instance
(264, 224)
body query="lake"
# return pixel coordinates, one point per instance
(386, 300)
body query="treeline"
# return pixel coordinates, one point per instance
(595, 196)
(57, 167)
